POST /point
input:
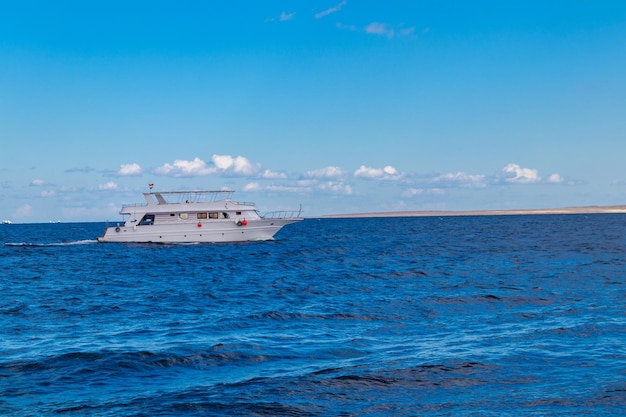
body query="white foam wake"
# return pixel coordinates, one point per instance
(36, 244)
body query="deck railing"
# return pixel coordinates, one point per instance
(283, 214)
(125, 206)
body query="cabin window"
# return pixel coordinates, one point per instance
(147, 220)
(238, 213)
(172, 214)
(202, 216)
(184, 216)
(213, 215)
(225, 215)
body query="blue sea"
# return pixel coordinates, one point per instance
(416, 316)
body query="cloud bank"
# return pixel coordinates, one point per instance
(224, 165)
(381, 187)
(336, 179)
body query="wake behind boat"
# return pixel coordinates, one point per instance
(195, 216)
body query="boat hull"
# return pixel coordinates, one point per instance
(257, 230)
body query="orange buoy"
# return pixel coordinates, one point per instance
(244, 222)
(199, 224)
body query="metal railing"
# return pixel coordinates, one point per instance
(283, 214)
(125, 206)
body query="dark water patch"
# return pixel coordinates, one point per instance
(13, 307)
(420, 377)
(240, 408)
(284, 316)
(413, 273)
(365, 380)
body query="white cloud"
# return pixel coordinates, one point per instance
(411, 192)
(462, 179)
(377, 28)
(286, 16)
(256, 187)
(335, 187)
(390, 31)
(386, 173)
(331, 10)
(252, 186)
(516, 174)
(184, 168)
(328, 172)
(555, 179)
(220, 165)
(107, 187)
(267, 174)
(237, 166)
(307, 183)
(130, 169)
(286, 188)
(38, 183)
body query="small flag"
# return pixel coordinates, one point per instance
(150, 185)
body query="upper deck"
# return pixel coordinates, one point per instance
(164, 198)
(179, 197)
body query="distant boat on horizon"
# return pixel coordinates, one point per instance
(7, 222)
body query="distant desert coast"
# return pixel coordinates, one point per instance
(435, 213)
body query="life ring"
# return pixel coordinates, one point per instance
(199, 224)
(117, 229)
(239, 223)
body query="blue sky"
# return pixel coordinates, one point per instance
(341, 106)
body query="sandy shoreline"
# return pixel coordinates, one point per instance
(436, 213)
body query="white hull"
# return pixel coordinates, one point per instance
(226, 231)
(195, 216)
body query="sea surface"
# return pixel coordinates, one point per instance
(421, 316)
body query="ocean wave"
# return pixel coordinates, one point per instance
(453, 374)
(111, 362)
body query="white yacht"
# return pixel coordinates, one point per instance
(195, 216)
